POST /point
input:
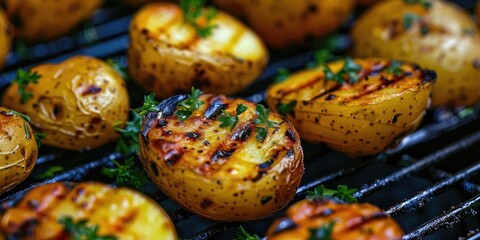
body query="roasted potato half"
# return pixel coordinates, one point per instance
(39, 20)
(75, 103)
(18, 149)
(167, 56)
(362, 118)
(119, 212)
(349, 221)
(441, 37)
(6, 34)
(222, 173)
(287, 22)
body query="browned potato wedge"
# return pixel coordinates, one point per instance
(119, 212)
(442, 37)
(18, 149)
(281, 23)
(40, 20)
(350, 221)
(6, 34)
(222, 173)
(166, 56)
(75, 103)
(363, 118)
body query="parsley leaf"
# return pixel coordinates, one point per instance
(321, 57)
(427, 5)
(324, 232)
(198, 17)
(410, 18)
(242, 234)
(395, 68)
(50, 172)
(38, 138)
(282, 75)
(128, 142)
(189, 105)
(127, 174)
(25, 77)
(118, 68)
(149, 105)
(227, 120)
(342, 192)
(262, 119)
(350, 70)
(286, 108)
(81, 231)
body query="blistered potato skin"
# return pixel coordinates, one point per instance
(167, 57)
(451, 46)
(75, 103)
(220, 174)
(288, 22)
(39, 20)
(360, 221)
(361, 119)
(6, 34)
(18, 150)
(121, 212)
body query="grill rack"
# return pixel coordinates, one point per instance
(109, 26)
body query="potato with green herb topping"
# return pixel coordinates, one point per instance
(435, 34)
(221, 158)
(18, 149)
(75, 103)
(168, 56)
(358, 107)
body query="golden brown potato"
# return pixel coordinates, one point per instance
(281, 23)
(18, 149)
(351, 221)
(166, 56)
(40, 20)
(362, 118)
(119, 212)
(222, 173)
(75, 103)
(6, 34)
(443, 38)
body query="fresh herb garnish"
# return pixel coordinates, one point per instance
(189, 105)
(25, 125)
(81, 231)
(324, 232)
(38, 139)
(321, 57)
(50, 172)
(350, 70)
(149, 105)
(342, 192)
(242, 234)
(198, 17)
(410, 18)
(426, 4)
(469, 31)
(118, 68)
(262, 119)
(25, 77)
(127, 174)
(282, 75)
(286, 108)
(227, 120)
(128, 142)
(395, 68)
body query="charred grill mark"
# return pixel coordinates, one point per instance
(429, 76)
(366, 219)
(172, 157)
(150, 122)
(266, 165)
(220, 153)
(192, 135)
(206, 203)
(259, 176)
(305, 85)
(242, 132)
(154, 169)
(25, 230)
(214, 109)
(162, 123)
(329, 97)
(291, 135)
(283, 225)
(92, 89)
(328, 91)
(290, 152)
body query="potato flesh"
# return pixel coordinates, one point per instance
(217, 175)
(121, 212)
(360, 119)
(166, 56)
(75, 103)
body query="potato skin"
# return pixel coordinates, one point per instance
(121, 212)
(75, 103)
(6, 35)
(451, 46)
(18, 150)
(352, 221)
(166, 56)
(217, 173)
(360, 119)
(40, 20)
(287, 22)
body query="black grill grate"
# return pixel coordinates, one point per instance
(439, 157)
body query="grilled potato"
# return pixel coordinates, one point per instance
(286, 22)
(350, 221)
(76, 103)
(218, 173)
(18, 150)
(39, 20)
(166, 56)
(442, 37)
(6, 34)
(119, 212)
(363, 118)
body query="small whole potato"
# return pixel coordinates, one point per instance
(40, 20)
(222, 172)
(357, 118)
(116, 212)
(347, 221)
(440, 36)
(18, 149)
(167, 56)
(75, 103)
(281, 23)
(6, 34)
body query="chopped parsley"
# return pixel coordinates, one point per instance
(395, 68)
(81, 231)
(128, 142)
(282, 75)
(286, 108)
(25, 125)
(321, 57)
(149, 105)
(198, 17)
(227, 120)
(39, 138)
(324, 232)
(350, 70)
(189, 105)
(242, 234)
(118, 68)
(426, 4)
(262, 122)
(50, 172)
(127, 174)
(342, 192)
(25, 77)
